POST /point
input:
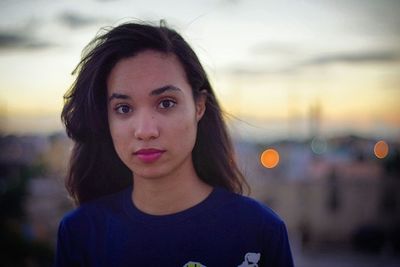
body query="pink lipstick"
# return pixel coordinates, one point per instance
(149, 155)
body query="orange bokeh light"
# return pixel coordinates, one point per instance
(270, 158)
(381, 149)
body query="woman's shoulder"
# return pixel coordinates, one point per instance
(96, 209)
(247, 207)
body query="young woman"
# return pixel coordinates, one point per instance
(152, 170)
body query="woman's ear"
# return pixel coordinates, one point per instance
(201, 104)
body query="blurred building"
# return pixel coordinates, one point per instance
(332, 193)
(31, 184)
(48, 199)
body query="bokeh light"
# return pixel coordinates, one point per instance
(318, 146)
(381, 149)
(270, 158)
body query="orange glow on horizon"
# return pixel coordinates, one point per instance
(270, 158)
(381, 149)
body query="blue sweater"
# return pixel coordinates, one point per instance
(225, 229)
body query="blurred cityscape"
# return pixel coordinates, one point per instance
(338, 196)
(32, 197)
(333, 176)
(339, 200)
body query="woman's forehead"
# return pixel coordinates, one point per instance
(149, 61)
(147, 71)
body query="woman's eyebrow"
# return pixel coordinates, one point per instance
(118, 96)
(164, 89)
(155, 92)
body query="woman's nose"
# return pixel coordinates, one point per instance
(146, 127)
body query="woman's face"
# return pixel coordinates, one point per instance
(152, 114)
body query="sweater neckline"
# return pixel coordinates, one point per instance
(135, 214)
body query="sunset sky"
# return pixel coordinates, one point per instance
(271, 62)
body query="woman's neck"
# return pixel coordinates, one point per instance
(168, 195)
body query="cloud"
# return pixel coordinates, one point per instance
(367, 57)
(21, 40)
(285, 50)
(229, 2)
(275, 49)
(74, 20)
(346, 58)
(371, 17)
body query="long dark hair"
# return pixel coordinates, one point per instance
(95, 168)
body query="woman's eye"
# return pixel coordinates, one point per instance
(123, 109)
(166, 104)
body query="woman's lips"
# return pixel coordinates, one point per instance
(149, 155)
